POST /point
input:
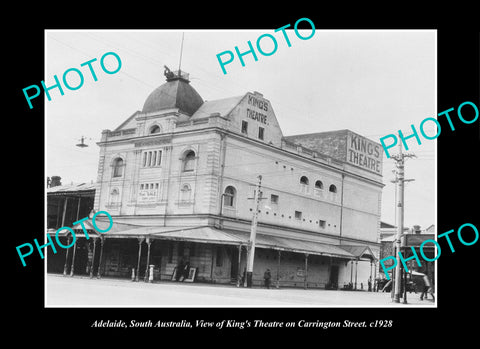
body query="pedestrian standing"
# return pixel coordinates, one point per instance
(267, 276)
(179, 271)
(427, 288)
(185, 271)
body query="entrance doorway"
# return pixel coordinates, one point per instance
(234, 269)
(333, 281)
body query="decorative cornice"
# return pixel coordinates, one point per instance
(156, 141)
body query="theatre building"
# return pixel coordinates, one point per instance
(179, 177)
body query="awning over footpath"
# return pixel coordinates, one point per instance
(229, 237)
(201, 234)
(208, 234)
(359, 251)
(294, 245)
(82, 189)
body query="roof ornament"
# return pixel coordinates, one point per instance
(168, 73)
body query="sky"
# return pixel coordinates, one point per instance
(372, 82)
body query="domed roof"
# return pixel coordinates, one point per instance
(175, 93)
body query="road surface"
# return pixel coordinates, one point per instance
(80, 291)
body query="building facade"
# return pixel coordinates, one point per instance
(179, 178)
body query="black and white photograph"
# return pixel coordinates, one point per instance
(246, 177)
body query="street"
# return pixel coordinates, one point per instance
(106, 292)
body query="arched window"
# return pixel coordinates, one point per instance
(332, 188)
(114, 195)
(155, 129)
(318, 185)
(304, 180)
(229, 196)
(185, 193)
(189, 161)
(118, 167)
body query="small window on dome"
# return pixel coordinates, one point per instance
(154, 129)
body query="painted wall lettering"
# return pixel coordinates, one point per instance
(364, 153)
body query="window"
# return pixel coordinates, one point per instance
(229, 196)
(333, 188)
(189, 161)
(185, 193)
(114, 195)
(298, 215)
(261, 132)
(322, 224)
(152, 158)
(244, 126)
(154, 129)
(304, 180)
(148, 193)
(274, 199)
(118, 167)
(318, 185)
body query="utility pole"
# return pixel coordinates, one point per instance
(253, 232)
(400, 163)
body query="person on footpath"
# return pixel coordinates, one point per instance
(267, 276)
(180, 267)
(427, 288)
(185, 271)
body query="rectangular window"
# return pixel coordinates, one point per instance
(149, 158)
(298, 215)
(274, 199)
(181, 247)
(322, 224)
(244, 127)
(159, 158)
(261, 132)
(148, 193)
(152, 158)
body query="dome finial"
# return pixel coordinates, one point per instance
(168, 73)
(175, 75)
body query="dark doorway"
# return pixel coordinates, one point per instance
(81, 258)
(333, 282)
(234, 263)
